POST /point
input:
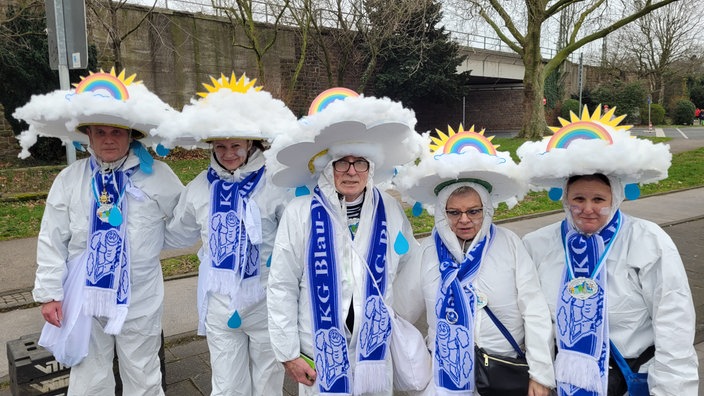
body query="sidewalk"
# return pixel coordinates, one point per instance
(187, 363)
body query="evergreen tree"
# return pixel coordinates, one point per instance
(418, 63)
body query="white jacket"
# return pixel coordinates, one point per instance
(65, 227)
(288, 301)
(192, 216)
(508, 278)
(648, 299)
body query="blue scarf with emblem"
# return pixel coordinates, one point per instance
(455, 308)
(331, 351)
(107, 285)
(234, 238)
(582, 328)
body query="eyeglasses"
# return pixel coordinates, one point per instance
(360, 165)
(472, 214)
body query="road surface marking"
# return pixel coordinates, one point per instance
(682, 133)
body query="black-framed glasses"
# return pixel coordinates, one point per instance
(360, 165)
(472, 214)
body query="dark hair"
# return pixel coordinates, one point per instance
(593, 177)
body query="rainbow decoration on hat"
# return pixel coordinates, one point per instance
(100, 83)
(328, 96)
(581, 130)
(461, 141)
(590, 126)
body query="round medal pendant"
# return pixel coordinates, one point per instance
(451, 317)
(582, 288)
(103, 212)
(481, 299)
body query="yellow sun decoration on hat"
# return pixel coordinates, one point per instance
(589, 126)
(233, 84)
(456, 142)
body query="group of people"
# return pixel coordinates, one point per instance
(305, 257)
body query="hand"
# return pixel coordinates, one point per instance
(300, 371)
(52, 313)
(536, 389)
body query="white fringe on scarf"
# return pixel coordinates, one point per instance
(101, 303)
(579, 370)
(371, 377)
(243, 293)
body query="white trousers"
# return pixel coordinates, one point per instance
(137, 348)
(242, 360)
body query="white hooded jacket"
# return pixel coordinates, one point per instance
(65, 227)
(288, 294)
(508, 279)
(192, 216)
(649, 300)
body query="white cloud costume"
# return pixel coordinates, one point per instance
(228, 347)
(62, 238)
(290, 317)
(505, 281)
(642, 297)
(235, 212)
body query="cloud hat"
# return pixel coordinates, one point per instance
(343, 123)
(100, 98)
(231, 108)
(593, 144)
(462, 156)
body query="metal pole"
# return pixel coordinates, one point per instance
(464, 101)
(64, 82)
(580, 77)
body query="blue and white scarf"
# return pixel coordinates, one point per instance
(234, 239)
(455, 308)
(107, 285)
(331, 351)
(582, 327)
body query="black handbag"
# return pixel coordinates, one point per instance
(625, 376)
(496, 375)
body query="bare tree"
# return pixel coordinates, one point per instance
(11, 36)
(106, 14)
(521, 26)
(660, 39)
(247, 15)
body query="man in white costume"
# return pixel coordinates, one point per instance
(462, 180)
(337, 251)
(614, 283)
(99, 275)
(235, 210)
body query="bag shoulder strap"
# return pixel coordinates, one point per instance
(505, 332)
(623, 364)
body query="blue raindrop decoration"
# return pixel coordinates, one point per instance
(235, 321)
(115, 217)
(632, 191)
(417, 209)
(268, 261)
(401, 245)
(78, 146)
(161, 150)
(145, 159)
(302, 190)
(555, 194)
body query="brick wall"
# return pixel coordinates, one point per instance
(9, 146)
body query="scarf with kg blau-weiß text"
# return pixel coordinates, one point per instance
(235, 234)
(582, 326)
(331, 350)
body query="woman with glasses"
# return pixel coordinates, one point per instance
(339, 246)
(469, 265)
